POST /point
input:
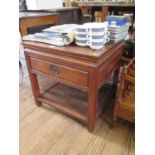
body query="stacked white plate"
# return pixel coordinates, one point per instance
(94, 35)
(118, 32)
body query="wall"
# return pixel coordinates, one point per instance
(43, 4)
(48, 4)
(31, 4)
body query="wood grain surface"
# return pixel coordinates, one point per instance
(45, 131)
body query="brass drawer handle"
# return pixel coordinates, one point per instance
(55, 70)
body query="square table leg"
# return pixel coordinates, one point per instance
(92, 101)
(34, 82)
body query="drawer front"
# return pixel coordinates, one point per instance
(66, 73)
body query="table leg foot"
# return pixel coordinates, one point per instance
(114, 120)
(38, 103)
(91, 128)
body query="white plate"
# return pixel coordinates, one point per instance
(80, 38)
(80, 44)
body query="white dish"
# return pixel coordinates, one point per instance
(95, 25)
(118, 28)
(96, 47)
(80, 44)
(97, 40)
(80, 33)
(118, 36)
(94, 28)
(89, 33)
(118, 39)
(80, 38)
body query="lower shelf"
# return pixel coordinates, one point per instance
(105, 94)
(74, 102)
(67, 99)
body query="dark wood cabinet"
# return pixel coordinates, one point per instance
(69, 15)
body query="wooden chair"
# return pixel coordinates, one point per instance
(86, 15)
(20, 46)
(125, 97)
(98, 16)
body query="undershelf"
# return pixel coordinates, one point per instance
(105, 95)
(72, 101)
(67, 99)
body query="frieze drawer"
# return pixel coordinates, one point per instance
(58, 71)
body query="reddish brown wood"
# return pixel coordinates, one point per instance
(34, 81)
(125, 101)
(29, 19)
(78, 67)
(104, 12)
(92, 100)
(60, 71)
(67, 99)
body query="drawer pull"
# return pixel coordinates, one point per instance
(55, 70)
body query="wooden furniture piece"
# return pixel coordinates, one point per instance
(71, 15)
(98, 16)
(86, 16)
(104, 7)
(67, 3)
(32, 19)
(80, 73)
(65, 15)
(125, 101)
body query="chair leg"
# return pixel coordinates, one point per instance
(116, 107)
(114, 120)
(20, 65)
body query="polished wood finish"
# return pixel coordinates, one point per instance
(45, 131)
(125, 101)
(77, 67)
(104, 12)
(66, 73)
(98, 16)
(68, 15)
(105, 7)
(65, 15)
(69, 100)
(32, 19)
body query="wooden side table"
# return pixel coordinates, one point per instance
(31, 19)
(80, 73)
